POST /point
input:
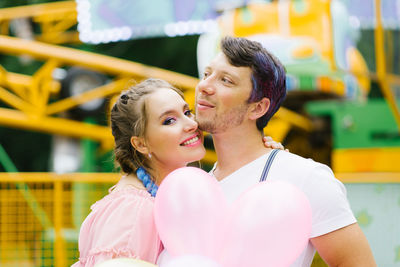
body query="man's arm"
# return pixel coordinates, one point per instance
(345, 247)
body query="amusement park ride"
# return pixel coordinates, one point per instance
(328, 83)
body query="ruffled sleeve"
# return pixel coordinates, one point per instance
(120, 225)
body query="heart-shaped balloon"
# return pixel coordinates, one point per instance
(125, 262)
(268, 225)
(191, 261)
(188, 205)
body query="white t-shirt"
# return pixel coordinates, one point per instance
(327, 195)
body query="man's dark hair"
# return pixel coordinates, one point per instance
(268, 74)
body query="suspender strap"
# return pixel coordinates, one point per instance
(268, 164)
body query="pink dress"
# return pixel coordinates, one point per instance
(120, 225)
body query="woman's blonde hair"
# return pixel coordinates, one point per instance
(129, 118)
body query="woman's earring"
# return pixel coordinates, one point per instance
(149, 155)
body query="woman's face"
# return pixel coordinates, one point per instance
(172, 135)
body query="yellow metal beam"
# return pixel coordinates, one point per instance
(102, 177)
(21, 120)
(277, 129)
(366, 160)
(101, 63)
(56, 9)
(41, 85)
(58, 224)
(21, 83)
(369, 177)
(295, 119)
(381, 64)
(15, 101)
(99, 92)
(55, 20)
(50, 177)
(329, 19)
(394, 79)
(59, 38)
(210, 157)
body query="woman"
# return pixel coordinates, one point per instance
(155, 133)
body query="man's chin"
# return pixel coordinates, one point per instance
(206, 123)
(207, 126)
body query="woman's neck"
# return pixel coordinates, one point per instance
(160, 171)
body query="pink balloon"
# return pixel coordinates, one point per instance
(268, 225)
(188, 208)
(125, 262)
(191, 261)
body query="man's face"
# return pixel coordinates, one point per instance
(221, 96)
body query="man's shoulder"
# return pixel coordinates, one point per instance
(288, 158)
(283, 160)
(295, 164)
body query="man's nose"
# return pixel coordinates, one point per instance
(206, 86)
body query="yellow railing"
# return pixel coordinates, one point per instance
(41, 213)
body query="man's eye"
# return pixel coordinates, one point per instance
(168, 121)
(225, 80)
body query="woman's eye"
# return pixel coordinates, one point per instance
(205, 75)
(188, 112)
(168, 121)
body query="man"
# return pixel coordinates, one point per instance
(240, 91)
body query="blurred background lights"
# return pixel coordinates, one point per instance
(116, 25)
(354, 22)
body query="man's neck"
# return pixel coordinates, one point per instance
(236, 148)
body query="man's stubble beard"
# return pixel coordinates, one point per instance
(221, 122)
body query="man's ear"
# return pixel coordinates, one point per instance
(258, 109)
(139, 144)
